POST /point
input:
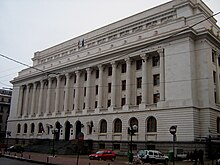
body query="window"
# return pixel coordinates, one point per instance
(102, 146)
(103, 126)
(213, 55)
(139, 98)
(96, 104)
(117, 126)
(74, 78)
(97, 74)
(96, 89)
(123, 68)
(84, 105)
(156, 78)
(32, 127)
(25, 128)
(116, 146)
(155, 60)
(151, 124)
(218, 124)
(1, 120)
(84, 91)
(214, 77)
(156, 97)
(139, 81)
(74, 93)
(1, 109)
(123, 85)
(85, 76)
(109, 103)
(109, 71)
(109, 87)
(19, 128)
(122, 101)
(40, 128)
(138, 64)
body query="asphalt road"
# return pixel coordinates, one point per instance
(6, 161)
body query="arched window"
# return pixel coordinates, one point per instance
(134, 121)
(19, 128)
(151, 124)
(40, 128)
(117, 126)
(25, 128)
(103, 126)
(32, 127)
(218, 124)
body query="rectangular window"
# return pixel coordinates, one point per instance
(84, 105)
(74, 93)
(1, 120)
(139, 82)
(138, 64)
(85, 76)
(84, 91)
(123, 85)
(214, 77)
(122, 101)
(1, 109)
(96, 89)
(156, 97)
(155, 60)
(215, 97)
(138, 100)
(156, 78)
(109, 103)
(109, 71)
(123, 68)
(116, 146)
(73, 106)
(97, 74)
(96, 104)
(109, 87)
(74, 78)
(213, 55)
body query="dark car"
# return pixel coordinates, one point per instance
(15, 149)
(103, 155)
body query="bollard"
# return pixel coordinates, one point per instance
(89, 163)
(22, 155)
(108, 163)
(15, 154)
(29, 157)
(47, 159)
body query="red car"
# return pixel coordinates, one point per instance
(103, 155)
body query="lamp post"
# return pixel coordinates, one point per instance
(173, 132)
(131, 130)
(54, 132)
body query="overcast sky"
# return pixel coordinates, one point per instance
(27, 26)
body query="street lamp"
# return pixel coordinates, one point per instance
(54, 132)
(131, 130)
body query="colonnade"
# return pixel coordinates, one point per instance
(60, 94)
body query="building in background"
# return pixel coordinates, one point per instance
(5, 102)
(155, 69)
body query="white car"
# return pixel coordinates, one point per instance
(152, 156)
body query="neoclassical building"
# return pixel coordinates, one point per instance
(155, 69)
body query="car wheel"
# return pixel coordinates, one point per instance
(113, 159)
(99, 158)
(90, 158)
(166, 162)
(152, 161)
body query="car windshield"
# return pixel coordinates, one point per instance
(99, 152)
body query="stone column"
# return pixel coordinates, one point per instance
(113, 93)
(26, 100)
(76, 100)
(57, 99)
(88, 88)
(162, 75)
(217, 80)
(144, 85)
(21, 92)
(66, 101)
(40, 97)
(33, 99)
(128, 81)
(100, 88)
(49, 90)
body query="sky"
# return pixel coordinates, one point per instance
(28, 26)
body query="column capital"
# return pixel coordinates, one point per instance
(77, 72)
(88, 70)
(67, 75)
(127, 59)
(101, 67)
(114, 64)
(160, 52)
(145, 56)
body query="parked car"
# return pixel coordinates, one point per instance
(15, 148)
(152, 156)
(103, 155)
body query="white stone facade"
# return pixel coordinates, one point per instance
(151, 69)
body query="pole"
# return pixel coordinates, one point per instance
(174, 149)
(131, 143)
(53, 152)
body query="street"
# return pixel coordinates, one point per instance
(6, 161)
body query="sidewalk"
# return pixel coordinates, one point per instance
(72, 159)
